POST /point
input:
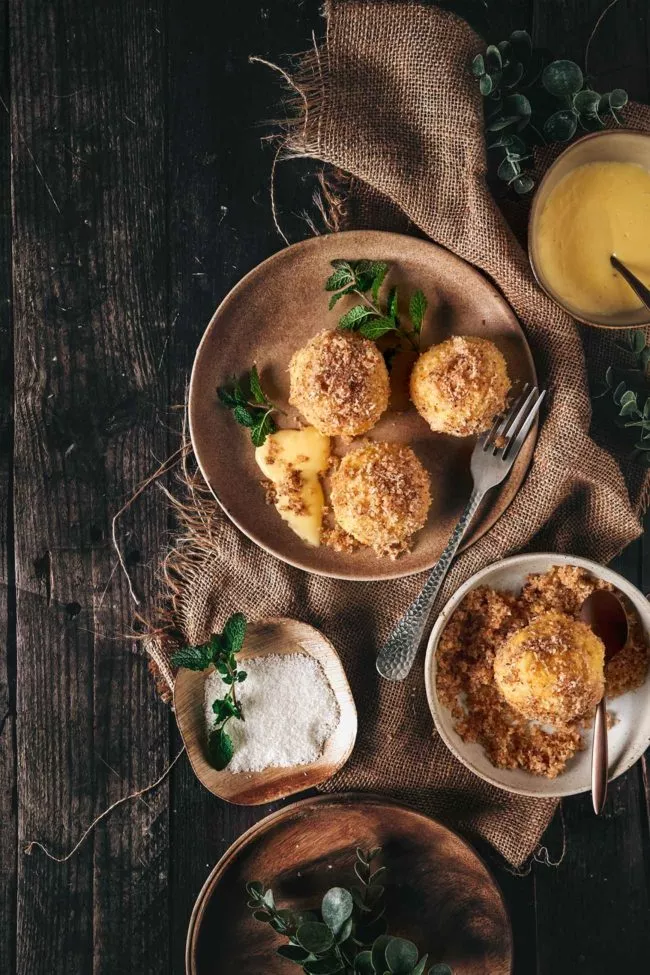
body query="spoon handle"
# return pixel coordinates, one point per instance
(599, 759)
(637, 286)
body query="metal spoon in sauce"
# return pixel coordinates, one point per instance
(603, 611)
(635, 283)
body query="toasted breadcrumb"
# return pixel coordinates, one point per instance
(465, 679)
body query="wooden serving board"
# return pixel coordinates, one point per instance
(439, 893)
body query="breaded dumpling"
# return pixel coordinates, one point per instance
(552, 669)
(460, 385)
(381, 496)
(339, 382)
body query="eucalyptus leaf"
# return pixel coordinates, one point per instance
(586, 102)
(618, 99)
(508, 169)
(401, 956)
(363, 964)
(521, 42)
(421, 965)
(486, 84)
(336, 908)
(523, 184)
(314, 936)
(501, 123)
(512, 74)
(323, 966)
(493, 57)
(440, 969)
(478, 66)
(562, 78)
(638, 342)
(618, 392)
(561, 126)
(379, 953)
(293, 953)
(518, 105)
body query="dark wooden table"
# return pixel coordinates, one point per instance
(133, 195)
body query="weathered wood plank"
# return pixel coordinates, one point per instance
(220, 227)
(7, 587)
(91, 318)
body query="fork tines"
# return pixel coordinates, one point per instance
(511, 428)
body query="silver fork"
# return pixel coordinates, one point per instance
(492, 459)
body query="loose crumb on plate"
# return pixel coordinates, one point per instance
(465, 677)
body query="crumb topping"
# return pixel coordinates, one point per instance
(460, 385)
(381, 496)
(339, 382)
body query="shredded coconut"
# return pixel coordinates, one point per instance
(289, 712)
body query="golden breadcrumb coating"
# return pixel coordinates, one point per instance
(339, 382)
(459, 386)
(552, 669)
(381, 496)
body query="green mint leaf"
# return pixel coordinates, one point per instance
(244, 416)
(256, 387)
(225, 708)
(220, 749)
(353, 318)
(367, 272)
(339, 294)
(234, 632)
(231, 396)
(261, 429)
(342, 276)
(376, 327)
(193, 658)
(241, 676)
(392, 304)
(417, 309)
(381, 270)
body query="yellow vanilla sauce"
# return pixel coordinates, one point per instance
(598, 209)
(293, 461)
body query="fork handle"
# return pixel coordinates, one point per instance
(396, 657)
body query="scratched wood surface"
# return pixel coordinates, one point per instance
(133, 195)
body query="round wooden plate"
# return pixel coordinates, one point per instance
(439, 894)
(276, 309)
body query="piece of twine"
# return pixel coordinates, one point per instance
(118, 802)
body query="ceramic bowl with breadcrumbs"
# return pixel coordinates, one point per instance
(491, 733)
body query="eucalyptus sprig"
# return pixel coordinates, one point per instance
(628, 389)
(370, 318)
(250, 406)
(530, 100)
(348, 934)
(221, 650)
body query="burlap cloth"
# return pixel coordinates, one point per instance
(388, 100)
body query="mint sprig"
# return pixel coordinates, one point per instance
(250, 406)
(371, 318)
(221, 650)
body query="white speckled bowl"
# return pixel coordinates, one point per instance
(628, 739)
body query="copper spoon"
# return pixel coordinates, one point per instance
(638, 287)
(604, 613)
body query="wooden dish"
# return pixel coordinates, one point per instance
(439, 894)
(275, 310)
(277, 636)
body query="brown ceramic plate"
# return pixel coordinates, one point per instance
(276, 309)
(439, 894)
